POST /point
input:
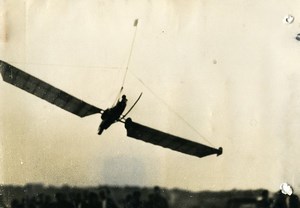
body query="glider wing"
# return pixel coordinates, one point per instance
(166, 140)
(46, 91)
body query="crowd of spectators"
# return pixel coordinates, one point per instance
(151, 198)
(101, 199)
(284, 201)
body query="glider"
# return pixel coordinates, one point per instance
(55, 96)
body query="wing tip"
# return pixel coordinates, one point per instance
(2, 66)
(220, 151)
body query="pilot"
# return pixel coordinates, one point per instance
(120, 107)
(111, 115)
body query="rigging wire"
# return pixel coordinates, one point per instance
(119, 95)
(128, 60)
(130, 52)
(91, 67)
(172, 110)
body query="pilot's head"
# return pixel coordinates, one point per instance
(124, 98)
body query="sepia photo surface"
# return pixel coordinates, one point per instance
(223, 74)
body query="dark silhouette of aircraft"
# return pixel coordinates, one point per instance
(45, 91)
(111, 115)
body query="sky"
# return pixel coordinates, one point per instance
(219, 74)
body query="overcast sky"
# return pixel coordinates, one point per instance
(222, 74)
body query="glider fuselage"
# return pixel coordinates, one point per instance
(112, 115)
